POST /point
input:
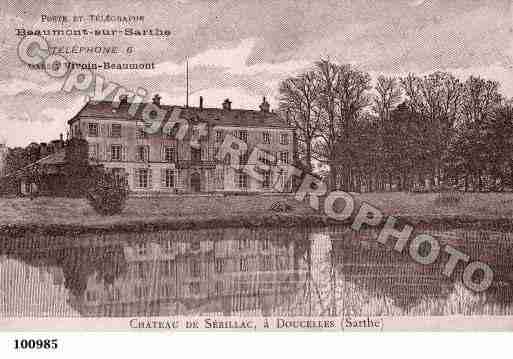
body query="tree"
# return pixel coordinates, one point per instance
(389, 95)
(498, 137)
(481, 98)
(344, 94)
(298, 101)
(436, 98)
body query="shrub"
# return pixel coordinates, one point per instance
(108, 194)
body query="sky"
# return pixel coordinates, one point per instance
(243, 49)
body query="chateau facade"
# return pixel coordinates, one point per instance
(159, 162)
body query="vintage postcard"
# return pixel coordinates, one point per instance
(256, 166)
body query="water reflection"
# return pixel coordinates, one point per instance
(254, 272)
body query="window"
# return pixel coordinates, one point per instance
(196, 133)
(243, 135)
(195, 154)
(143, 153)
(219, 178)
(93, 129)
(169, 154)
(266, 137)
(142, 178)
(195, 245)
(284, 182)
(194, 288)
(141, 249)
(195, 268)
(243, 243)
(93, 151)
(266, 183)
(282, 263)
(115, 130)
(165, 290)
(168, 246)
(265, 244)
(118, 172)
(219, 265)
(91, 296)
(219, 288)
(243, 264)
(140, 132)
(267, 263)
(166, 268)
(284, 157)
(241, 180)
(284, 139)
(169, 178)
(141, 292)
(75, 130)
(115, 152)
(266, 158)
(114, 294)
(243, 158)
(219, 136)
(141, 273)
(168, 132)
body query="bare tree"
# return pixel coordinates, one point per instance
(298, 101)
(436, 98)
(389, 95)
(327, 74)
(343, 97)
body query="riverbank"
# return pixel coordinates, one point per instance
(59, 216)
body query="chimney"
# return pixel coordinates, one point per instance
(61, 138)
(123, 99)
(156, 99)
(227, 104)
(264, 106)
(201, 103)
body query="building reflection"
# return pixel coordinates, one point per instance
(222, 272)
(251, 272)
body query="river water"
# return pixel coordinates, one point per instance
(235, 271)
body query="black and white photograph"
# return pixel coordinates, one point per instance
(256, 166)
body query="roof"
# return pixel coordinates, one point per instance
(57, 158)
(213, 116)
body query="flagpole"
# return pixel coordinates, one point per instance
(187, 81)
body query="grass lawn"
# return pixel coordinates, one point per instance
(49, 210)
(478, 205)
(55, 211)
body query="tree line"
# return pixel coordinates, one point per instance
(411, 133)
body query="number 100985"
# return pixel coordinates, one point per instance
(35, 344)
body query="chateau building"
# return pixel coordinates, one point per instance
(161, 162)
